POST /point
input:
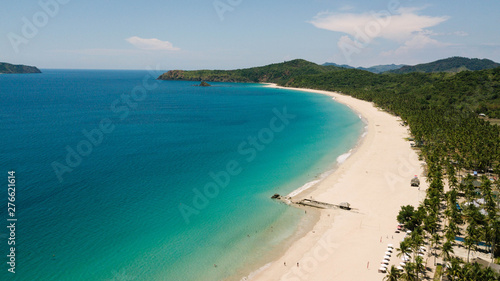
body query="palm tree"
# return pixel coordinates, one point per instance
(415, 242)
(488, 274)
(454, 269)
(408, 273)
(449, 235)
(472, 271)
(393, 274)
(495, 228)
(446, 251)
(436, 239)
(419, 265)
(469, 243)
(404, 248)
(471, 237)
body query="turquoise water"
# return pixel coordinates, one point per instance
(122, 177)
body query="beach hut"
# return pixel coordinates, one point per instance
(415, 181)
(345, 206)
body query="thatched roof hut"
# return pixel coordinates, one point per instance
(345, 205)
(415, 181)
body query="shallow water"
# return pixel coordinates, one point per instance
(160, 184)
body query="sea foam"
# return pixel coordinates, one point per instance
(341, 159)
(302, 188)
(253, 274)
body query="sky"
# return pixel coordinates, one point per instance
(230, 34)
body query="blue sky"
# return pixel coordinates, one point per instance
(228, 34)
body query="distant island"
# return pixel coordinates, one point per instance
(7, 68)
(204, 84)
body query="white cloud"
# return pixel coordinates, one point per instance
(407, 28)
(151, 44)
(417, 42)
(460, 33)
(399, 27)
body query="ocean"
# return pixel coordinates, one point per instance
(119, 176)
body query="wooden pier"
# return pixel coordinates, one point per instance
(313, 203)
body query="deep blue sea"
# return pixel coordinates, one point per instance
(120, 176)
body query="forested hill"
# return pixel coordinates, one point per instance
(7, 68)
(473, 91)
(276, 73)
(453, 64)
(374, 69)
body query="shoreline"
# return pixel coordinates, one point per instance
(374, 178)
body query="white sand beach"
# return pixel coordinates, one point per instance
(375, 180)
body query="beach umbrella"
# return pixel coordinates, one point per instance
(389, 250)
(402, 264)
(382, 270)
(388, 253)
(408, 231)
(389, 246)
(385, 262)
(387, 257)
(400, 268)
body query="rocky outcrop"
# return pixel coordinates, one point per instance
(7, 68)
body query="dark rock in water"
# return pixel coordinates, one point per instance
(204, 84)
(276, 196)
